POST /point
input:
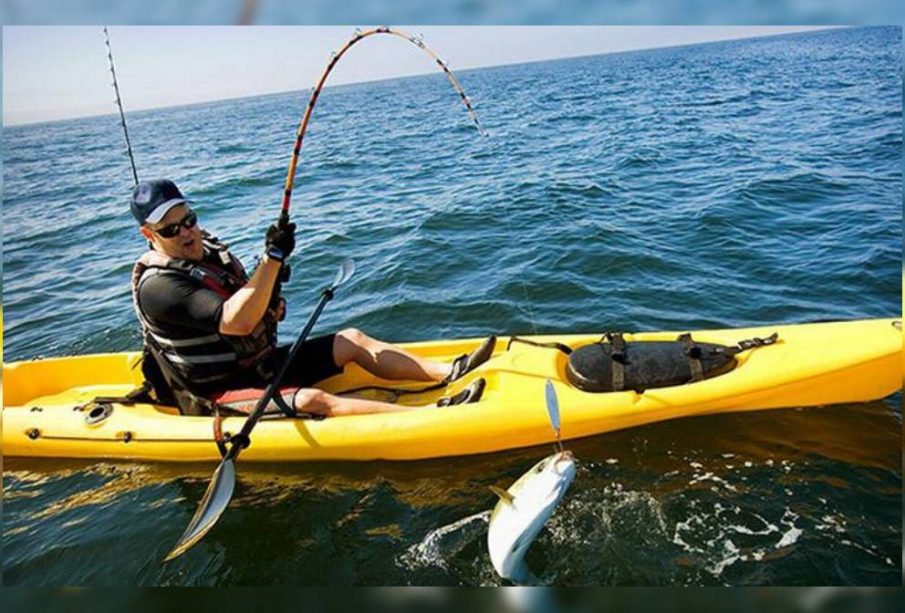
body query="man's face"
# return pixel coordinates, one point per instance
(185, 244)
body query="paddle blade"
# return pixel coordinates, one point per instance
(346, 270)
(214, 502)
(553, 407)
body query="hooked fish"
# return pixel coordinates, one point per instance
(523, 510)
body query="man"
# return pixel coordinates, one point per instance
(210, 329)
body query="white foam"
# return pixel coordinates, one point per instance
(433, 550)
(731, 553)
(790, 536)
(708, 536)
(831, 522)
(768, 528)
(715, 479)
(866, 549)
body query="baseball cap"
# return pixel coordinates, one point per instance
(151, 200)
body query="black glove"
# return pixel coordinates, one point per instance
(280, 238)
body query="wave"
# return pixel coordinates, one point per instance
(792, 187)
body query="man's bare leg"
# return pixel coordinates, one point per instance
(385, 360)
(319, 402)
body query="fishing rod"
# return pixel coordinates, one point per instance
(219, 491)
(119, 104)
(303, 124)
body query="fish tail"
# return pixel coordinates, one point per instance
(522, 575)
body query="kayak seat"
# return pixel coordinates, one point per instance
(243, 401)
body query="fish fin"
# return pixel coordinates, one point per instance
(504, 495)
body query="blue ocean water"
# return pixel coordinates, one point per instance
(731, 184)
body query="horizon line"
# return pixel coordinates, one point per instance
(18, 124)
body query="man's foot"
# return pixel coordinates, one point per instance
(464, 364)
(470, 394)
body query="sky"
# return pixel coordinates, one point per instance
(60, 72)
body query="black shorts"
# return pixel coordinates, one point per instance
(313, 363)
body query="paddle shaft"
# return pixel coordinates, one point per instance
(218, 493)
(255, 415)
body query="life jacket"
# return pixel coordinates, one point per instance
(210, 360)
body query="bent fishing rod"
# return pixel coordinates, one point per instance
(312, 101)
(119, 105)
(220, 489)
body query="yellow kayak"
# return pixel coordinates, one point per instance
(48, 410)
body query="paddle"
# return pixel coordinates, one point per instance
(553, 411)
(220, 490)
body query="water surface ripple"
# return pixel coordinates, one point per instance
(732, 184)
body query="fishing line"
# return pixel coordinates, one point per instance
(312, 101)
(119, 105)
(532, 318)
(303, 124)
(306, 117)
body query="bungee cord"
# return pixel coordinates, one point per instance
(312, 101)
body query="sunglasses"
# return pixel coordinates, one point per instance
(172, 230)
